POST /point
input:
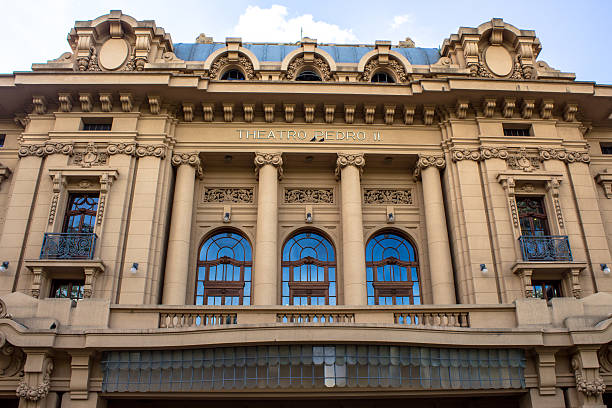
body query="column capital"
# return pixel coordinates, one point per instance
(426, 160)
(190, 158)
(275, 159)
(349, 159)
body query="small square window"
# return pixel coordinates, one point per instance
(2, 139)
(67, 289)
(97, 124)
(517, 131)
(606, 148)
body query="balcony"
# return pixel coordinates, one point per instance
(68, 246)
(545, 248)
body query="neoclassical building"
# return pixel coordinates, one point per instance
(245, 224)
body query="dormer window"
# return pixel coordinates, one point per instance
(233, 75)
(382, 76)
(308, 76)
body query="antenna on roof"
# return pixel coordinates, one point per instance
(301, 34)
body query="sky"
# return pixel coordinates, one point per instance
(574, 34)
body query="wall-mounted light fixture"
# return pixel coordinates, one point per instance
(605, 269)
(4, 266)
(308, 214)
(227, 214)
(309, 217)
(483, 269)
(134, 267)
(390, 215)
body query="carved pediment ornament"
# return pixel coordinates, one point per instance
(319, 63)
(42, 150)
(89, 62)
(349, 159)
(224, 61)
(274, 159)
(394, 65)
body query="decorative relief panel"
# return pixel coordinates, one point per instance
(387, 196)
(237, 195)
(90, 157)
(521, 160)
(309, 196)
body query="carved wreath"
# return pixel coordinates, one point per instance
(221, 62)
(373, 65)
(299, 62)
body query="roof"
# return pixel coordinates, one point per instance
(277, 52)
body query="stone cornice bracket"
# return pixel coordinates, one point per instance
(289, 112)
(249, 112)
(409, 114)
(228, 111)
(65, 101)
(488, 107)
(5, 172)
(127, 101)
(154, 104)
(42, 150)
(461, 108)
(349, 159)
(106, 101)
(86, 101)
(605, 179)
(569, 112)
(269, 112)
(21, 120)
(274, 159)
(426, 161)
(508, 107)
(527, 108)
(547, 377)
(349, 113)
(208, 110)
(40, 104)
(41, 366)
(188, 111)
(191, 159)
(546, 109)
(564, 155)
(428, 114)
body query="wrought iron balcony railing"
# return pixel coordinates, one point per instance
(68, 246)
(545, 248)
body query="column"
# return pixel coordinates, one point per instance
(265, 272)
(349, 168)
(440, 265)
(177, 260)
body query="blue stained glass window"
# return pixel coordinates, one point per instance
(224, 270)
(392, 270)
(308, 270)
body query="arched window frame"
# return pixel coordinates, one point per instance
(312, 292)
(386, 72)
(222, 290)
(408, 290)
(232, 68)
(309, 68)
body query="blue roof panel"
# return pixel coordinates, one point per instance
(277, 52)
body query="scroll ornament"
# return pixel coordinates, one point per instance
(319, 63)
(426, 161)
(221, 62)
(191, 159)
(42, 150)
(134, 149)
(349, 159)
(564, 155)
(40, 391)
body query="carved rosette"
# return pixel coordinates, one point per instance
(426, 161)
(39, 391)
(42, 150)
(466, 154)
(224, 61)
(494, 153)
(309, 196)
(274, 159)
(394, 65)
(349, 159)
(192, 159)
(564, 155)
(387, 196)
(121, 148)
(319, 63)
(236, 195)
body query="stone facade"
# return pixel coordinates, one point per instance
(160, 216)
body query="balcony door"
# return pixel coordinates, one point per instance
(81, 213)
(532, 215)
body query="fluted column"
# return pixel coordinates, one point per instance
(440, 265)
(177, 260)
(265, 273)
(349, 168)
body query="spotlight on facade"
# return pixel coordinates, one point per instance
(483, 269)
(390, 217)
(5, 265)
(134, 267)
(309, 217)
(604, 267)
(226, 217)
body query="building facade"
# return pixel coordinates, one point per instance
(242, 224)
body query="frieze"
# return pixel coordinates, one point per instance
(309, 196)
(134, 149)
(387, 196)
(42, 150)
(237, 195)
(564, 155)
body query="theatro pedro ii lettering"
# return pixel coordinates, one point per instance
(303, 135)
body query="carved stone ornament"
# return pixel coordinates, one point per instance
(40, 391)
(134, 149)
(309, 195)
(478, 69)
(89, 62)
(91, 157)
(591, 388)
(42, 150)
(604, 356)
(394, 65)
(483, 153)
(12, 359)
(222, 62)
(298, 63)
(237, 195)
(274, 159)
(387, 196)
(121, 148)
(523, 161)
(349, 159)
(426, 161)
(191, 159)
(564, 155)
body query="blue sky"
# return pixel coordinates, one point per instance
(574, 34)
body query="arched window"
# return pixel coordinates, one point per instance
(392, 271)
(308, 76)
(233, 74)
(309, 270)
(224, 270)
(382, 76)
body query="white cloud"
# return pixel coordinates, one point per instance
(399, 20)
(271, 24)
